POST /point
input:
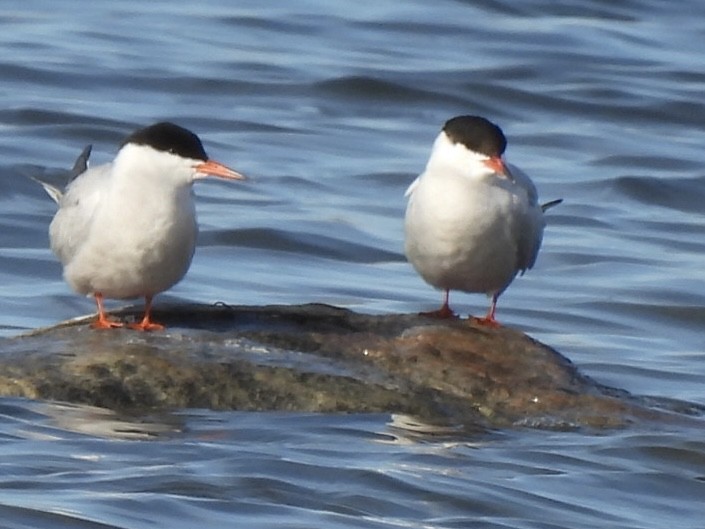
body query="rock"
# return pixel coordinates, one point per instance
(313, 358)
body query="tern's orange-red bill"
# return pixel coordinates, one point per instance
(213, 168)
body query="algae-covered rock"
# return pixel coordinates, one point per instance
(311, 358)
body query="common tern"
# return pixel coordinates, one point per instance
(128, 228)
(473, 221)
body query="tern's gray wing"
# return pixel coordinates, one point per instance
(523, 181)
(530, 224)
(77, 208)
(412, 186)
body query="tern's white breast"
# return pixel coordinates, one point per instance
(125, 238)
(465, 234)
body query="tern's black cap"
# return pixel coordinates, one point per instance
(477, 134)
(169, 137)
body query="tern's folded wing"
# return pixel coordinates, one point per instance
(77, 208)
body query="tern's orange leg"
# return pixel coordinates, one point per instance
(489, 319)
(103, 322)
(147, 324)
(445, 312)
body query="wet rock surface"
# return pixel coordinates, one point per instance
(316, 358)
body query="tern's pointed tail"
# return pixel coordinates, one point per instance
(81, 162)
(54, 192)
(79, 167)
(549, 205)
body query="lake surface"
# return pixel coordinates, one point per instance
(331, 107)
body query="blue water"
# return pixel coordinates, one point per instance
(330, 107)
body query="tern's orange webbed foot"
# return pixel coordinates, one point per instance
(489, 320)
(486, 322)
(444, 313)
(146, 326)
(104, 323)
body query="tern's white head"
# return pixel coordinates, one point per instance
(168, 152)
(470, 145)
